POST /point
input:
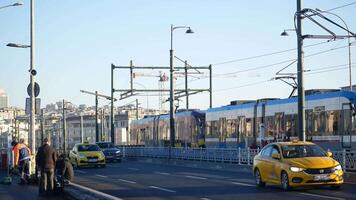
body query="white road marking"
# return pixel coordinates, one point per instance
(243, 184)
(205, 199)
(321, 196)
(163, 189)
(80, 171)
(101, 176)
(133, 169)
(350, 183)
(163, 173)
(95, 191)
(127, 181)
(196, 177)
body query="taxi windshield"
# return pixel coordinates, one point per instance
(88, 148)
(105, 145)
(299, 151)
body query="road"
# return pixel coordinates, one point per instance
(138, 180)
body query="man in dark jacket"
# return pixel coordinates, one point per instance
(46, 160)
(65, 168)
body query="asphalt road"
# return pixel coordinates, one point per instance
(137, 180)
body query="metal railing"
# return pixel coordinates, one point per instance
(239, 156)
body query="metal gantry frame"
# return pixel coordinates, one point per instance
(126, 93)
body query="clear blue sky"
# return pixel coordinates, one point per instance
(76, 41)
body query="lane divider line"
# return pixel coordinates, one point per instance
(196, 177)
(321, 196)
(95, 191)
(127, 181)
(163, 173)
(205, 198)
(134, 169)
(163, 189)
(243, 184)
(101, 176)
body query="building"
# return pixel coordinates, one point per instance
(4, 100)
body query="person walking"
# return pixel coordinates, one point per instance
(46, 159)
(22, 158)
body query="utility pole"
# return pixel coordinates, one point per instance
(64, 127)
(136, 108)
(186, 85)
(97, 139)
(112, 126)
(42, 126)
(210, 87)
(81, 128)
(102, 125)
(300, 75)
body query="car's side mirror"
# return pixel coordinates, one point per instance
(276, 156)
(329, 154)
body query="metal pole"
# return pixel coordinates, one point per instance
(96, 118)
(42, 126)
(171, 94)
(131, 76)
(186, 85)
(64, 128)
(350, 74)
(112, 127)
(300, 71)
(136, 108)
(210, 87)
(32, 78)
(102, 125)
(81, 128)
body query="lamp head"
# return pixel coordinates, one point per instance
(18, 4)
(189, 31)
(284, 33)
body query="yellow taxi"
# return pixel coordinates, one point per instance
(293, 164)
(85, 154)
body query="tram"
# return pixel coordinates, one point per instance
(330, 121)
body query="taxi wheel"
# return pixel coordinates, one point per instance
(258, 179)
(285, 181)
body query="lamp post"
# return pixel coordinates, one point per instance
(171, 92)
(32, 73)
(11, 5)
(348, 41)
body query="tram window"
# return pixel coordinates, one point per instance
(319, 120)
(249, 127)
(309, 120)
(332, 122)
(270, 126)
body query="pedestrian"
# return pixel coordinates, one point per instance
(22, 158)
(64, 168)
(46, 159)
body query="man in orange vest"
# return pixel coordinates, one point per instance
(22, 157)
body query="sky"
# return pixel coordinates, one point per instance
(77, 41)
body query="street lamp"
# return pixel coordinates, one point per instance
(18, 45)
(348, 41)
(11, 5)
(285, 32)
(171, 76)
(32, 76)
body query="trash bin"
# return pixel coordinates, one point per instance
(3, 161)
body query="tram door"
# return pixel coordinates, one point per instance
(346, 116)
(222, 132)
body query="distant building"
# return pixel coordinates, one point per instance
(4, 99)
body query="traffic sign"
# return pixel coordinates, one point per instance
(37, 89)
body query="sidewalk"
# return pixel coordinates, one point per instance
(19, 192)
